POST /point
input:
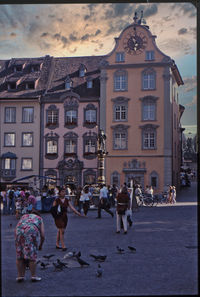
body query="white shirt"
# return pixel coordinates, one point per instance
(103, 193)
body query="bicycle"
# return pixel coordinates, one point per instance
(144, 200)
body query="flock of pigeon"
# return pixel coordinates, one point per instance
(70, 257)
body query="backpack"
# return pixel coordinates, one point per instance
(11, 194)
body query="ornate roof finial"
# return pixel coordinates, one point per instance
(135, 17)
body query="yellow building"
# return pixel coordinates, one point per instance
(139, 111)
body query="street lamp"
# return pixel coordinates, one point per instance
(101, 154)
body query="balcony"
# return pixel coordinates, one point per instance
(8, 173)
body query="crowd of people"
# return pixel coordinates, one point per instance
(29, 232)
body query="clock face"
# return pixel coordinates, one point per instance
(134, 44)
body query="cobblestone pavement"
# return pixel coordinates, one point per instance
(165, 262)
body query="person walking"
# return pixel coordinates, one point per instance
(123, 204)
(85, 200)
(173, 194)
(103, 201)
(28, 231)
(61, 203)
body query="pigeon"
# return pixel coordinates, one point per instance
(132, 249)
(48, 256)
(99, 258)
(43, 265)
(61, 263)
(57, 266)
(82, 262)
(120, 250)
(99, 271)
(76, 254)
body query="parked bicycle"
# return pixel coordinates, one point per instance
(145, 200)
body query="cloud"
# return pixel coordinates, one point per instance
(72, 37)
(193, 102)
(186, 8)
(97, 32)
(44, 34)
(171, 46)
(152, 10)
(190, 83)
(85, 37)
(182, 31)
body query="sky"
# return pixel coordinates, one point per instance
(64, 30)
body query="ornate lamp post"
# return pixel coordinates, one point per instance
(101, 154)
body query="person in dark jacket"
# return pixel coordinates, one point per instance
(123, 204)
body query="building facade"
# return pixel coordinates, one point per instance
(130, 93)
(140, 111)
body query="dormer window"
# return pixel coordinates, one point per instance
(35, 68)
(17, 68)
(68, 83)
(30, 86)
(82, 70)
(89, 84)
(12, 86)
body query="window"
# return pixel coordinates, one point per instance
(82, 70)
(120, 81)
(149, 136)
(148, 80)
(120, 141)
(52, 147)
(149, 55)
(35, 68)
(89, 84)
(10, 115)
(27, 114)
(12, 86)
(9, 139)
(30, 86)
(27, 139)
(149, 109)
(115, 178)
(51, 141)
(9, 163)
(154, 179)
(52, 116)
(27, 163)
(71, 117)
(17, 68)
(90, 146)
(89, 177)
(120, 137)
(120, 112)
(70, 144)
(120, 57)
(68, 83)
(90, 116)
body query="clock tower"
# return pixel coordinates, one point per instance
(137, 84)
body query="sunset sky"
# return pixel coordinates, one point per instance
(64, 30)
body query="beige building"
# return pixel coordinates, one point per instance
(140, 113)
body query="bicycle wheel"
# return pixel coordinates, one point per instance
(148, 201)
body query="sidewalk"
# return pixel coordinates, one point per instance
(165, 262)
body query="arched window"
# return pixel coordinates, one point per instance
(120, 137)
(51, 140)
(70, 144)
(115, 179)
(154, 179)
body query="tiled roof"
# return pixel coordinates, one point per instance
(7, 74)
(50, 78)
